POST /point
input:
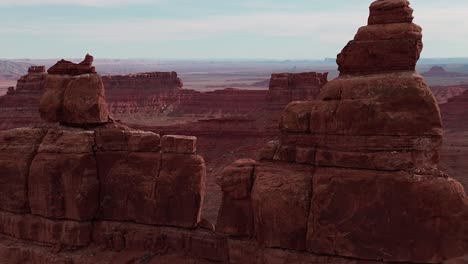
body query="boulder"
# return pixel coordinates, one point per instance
(281, 197)
(235, 217)
(128, 186)
(179, 144)
(180, 190)
(74, 99)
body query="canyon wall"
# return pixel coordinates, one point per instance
(143, 98)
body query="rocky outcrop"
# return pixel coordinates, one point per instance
(390, 43)
(37, 69)
(288, 87)
(355, 173)
(73, 98)
(69, 68)
(19, 106)
(142, 99)
(103, 185)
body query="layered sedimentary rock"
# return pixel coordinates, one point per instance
(103, 185)
(390, 43)
(288, 87)
(361, 177)
(144, 98)
(149, 92)
(19, 106)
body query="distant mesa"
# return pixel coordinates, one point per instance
(69, 68)
(438, 71)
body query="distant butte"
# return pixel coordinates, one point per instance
(438, 71)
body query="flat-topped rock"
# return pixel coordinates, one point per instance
(37, 69)
(179, 144)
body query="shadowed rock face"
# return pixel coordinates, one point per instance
(362, 179)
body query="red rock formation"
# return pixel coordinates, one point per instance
(19, 106)
(141, 98)
(362, 179)
(288, 87)
(69, 68)
(388, 12)
(390, 43)
(72, 188)
(59, 102)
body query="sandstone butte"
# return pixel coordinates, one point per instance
(353, 178)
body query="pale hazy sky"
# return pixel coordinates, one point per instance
(208, 29)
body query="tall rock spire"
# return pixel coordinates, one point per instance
(372, 142)
(389, 43)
